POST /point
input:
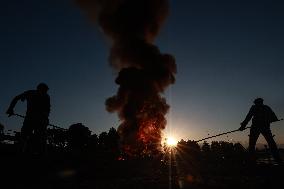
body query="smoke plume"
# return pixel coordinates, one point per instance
(143, 71)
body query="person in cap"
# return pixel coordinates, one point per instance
(33, 131)
(262, 116)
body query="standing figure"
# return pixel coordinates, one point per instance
(33, 132)
(261, 115)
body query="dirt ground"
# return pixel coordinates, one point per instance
(52, 172)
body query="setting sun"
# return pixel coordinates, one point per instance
(171, 141)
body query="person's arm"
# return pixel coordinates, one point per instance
(272, 115)
(247, 119)
(48, 107)
(10, 110)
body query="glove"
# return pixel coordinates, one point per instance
(10, 112)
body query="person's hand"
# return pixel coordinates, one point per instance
(243, 126)
(10, 112)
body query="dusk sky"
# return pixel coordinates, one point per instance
(227, 54)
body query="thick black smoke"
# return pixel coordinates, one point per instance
(144, 72)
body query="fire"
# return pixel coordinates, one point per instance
(144, 72)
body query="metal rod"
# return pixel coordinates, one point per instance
(54, 126)
(220, 134)
(226, 133)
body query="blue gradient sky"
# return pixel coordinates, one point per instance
(227, 53)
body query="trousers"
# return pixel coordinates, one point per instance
(255, 131)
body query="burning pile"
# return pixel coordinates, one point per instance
(144, 72)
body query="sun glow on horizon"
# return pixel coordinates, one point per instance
(171, 141)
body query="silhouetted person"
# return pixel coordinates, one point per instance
(33, 132)
(261, 116)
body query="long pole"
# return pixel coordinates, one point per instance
(220, 134)
(54, 126)
(224, 133)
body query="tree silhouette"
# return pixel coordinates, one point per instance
(92, 146)
(57, 138)
(78, 136)
(205, 147)
(108, 144)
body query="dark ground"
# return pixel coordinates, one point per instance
(63, 171)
